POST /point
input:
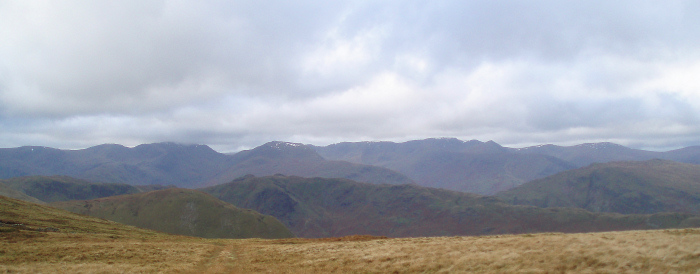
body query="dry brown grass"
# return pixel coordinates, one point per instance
(658, 251)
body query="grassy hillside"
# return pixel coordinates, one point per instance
(624, 187)
(64, 188)
(26, 218)
(41, 239)
(86, 244)
(659, 251)
(181, 211)
(317, 207)
(16, 194)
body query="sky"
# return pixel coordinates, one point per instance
(236, 74)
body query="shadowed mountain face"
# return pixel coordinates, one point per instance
(473, 166)
(181, 211)
(317, 207)
(302, 160)
(624, 187)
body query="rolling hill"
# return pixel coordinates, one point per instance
(624, 187)
(181, 211)
(318, 207)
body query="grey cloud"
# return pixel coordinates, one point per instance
(238, 74)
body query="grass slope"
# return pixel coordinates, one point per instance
(41, 239)
(23, 216)
(181, 211)
(318, 207)
(623, 187)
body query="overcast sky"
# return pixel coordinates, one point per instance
(236, 74)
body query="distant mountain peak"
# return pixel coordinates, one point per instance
(284, 149)
(599, 146)
(282, 145)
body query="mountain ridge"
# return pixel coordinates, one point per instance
(470, 166)
(319, 207)
(639, 187)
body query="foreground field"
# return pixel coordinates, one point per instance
(39, 239)
(632, 251)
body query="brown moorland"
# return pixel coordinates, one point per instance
(50, 240)
(651, 251)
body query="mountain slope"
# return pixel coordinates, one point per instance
(318, 207)
(16, 194)
(301, 160)
(624, 187)
(23, 215)
(181, 211)
(472, 166)
(64, 188)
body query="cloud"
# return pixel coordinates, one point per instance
(237, 74)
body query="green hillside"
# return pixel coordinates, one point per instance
(623, 187)
(22, 216)
(181, 211)
(16, 194)
(318, 207)
(64, 188)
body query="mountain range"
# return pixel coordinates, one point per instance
(188, 166)
(469, 166)
(487, 167)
